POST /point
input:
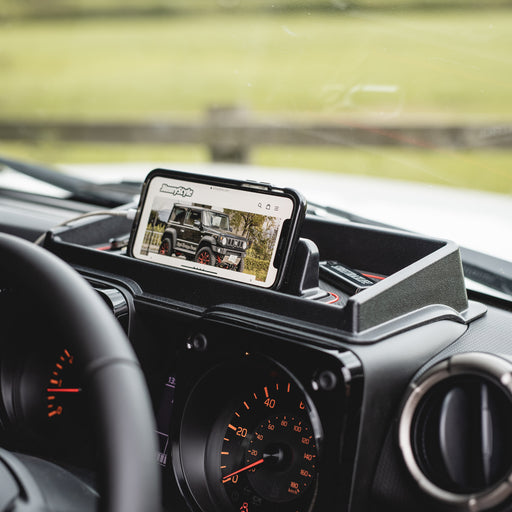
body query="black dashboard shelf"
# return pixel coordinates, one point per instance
(424, 283)
(422, 272)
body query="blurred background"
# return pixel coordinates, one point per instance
(416, 90)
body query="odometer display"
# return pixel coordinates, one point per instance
(269, 456)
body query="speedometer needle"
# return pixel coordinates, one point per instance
(245, 468)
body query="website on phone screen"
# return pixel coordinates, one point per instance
(214, 230)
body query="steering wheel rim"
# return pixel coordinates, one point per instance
(130, 479)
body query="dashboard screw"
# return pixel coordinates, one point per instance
(199, 342)
(325, 381)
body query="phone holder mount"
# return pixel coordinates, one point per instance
(302, 277)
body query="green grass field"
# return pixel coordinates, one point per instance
(10, 9)
(477, 169)
(441, 65)
(387, 66)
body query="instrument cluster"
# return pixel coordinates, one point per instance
(247, 421)
(257, 430)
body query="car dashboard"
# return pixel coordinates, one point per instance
(305, 398)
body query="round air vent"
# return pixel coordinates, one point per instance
(455, 431)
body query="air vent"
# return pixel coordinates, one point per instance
(116, 301)
(456, 431)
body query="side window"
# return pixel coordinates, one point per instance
(192, 216)
(178, 215)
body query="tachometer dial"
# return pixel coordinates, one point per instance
(45, 405)
(62, 389)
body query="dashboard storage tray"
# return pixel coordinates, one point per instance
(424, 279)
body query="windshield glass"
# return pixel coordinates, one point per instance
(216, 220)
(398, 110)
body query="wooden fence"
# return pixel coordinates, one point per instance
(151, 241)
(230, 133)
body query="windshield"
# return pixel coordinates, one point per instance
(398, 110)
(216, 220)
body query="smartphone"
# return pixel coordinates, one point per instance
(238, 230)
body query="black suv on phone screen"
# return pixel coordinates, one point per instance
(203, 235)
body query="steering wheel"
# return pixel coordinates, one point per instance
(129, 479)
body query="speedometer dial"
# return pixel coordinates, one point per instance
(269, 458)
(259, 443)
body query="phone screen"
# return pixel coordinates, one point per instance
(225, 231)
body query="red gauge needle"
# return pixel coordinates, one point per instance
(254, 464)
(63, 390)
